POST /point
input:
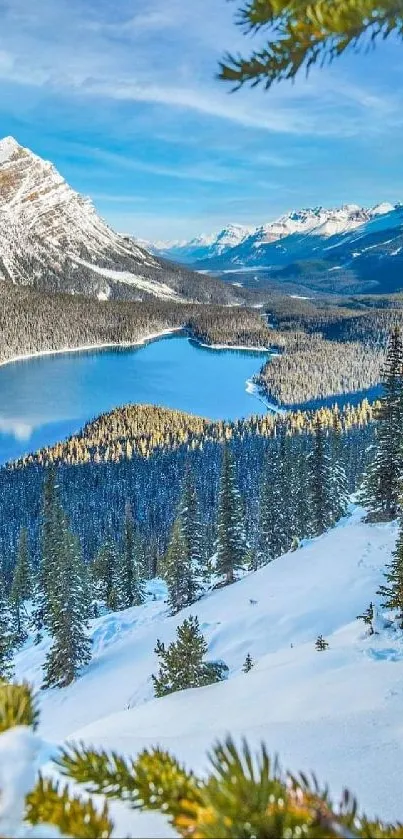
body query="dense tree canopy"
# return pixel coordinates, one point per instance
(306, 32)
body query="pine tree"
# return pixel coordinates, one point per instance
(319, 464)
(37, 621)
(381, 487)
(367, 617)
(131, 591)
(192, 532)
(71, 647)
(105, 571)
(248, 663)
(52, 527)
(7, 636)
(392, 593)
(176, 569)
(301, 497)
(321, 644)
(182, 566)
(181, 664)
(21, 588)
(231, 537)
(275, 527)
(339, 493)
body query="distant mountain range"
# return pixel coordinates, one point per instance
(349, 249)
(52, 238)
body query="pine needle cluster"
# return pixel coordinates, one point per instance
(303, 33)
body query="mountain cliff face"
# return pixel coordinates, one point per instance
(52, 238)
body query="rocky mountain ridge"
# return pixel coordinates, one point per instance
(51, 237)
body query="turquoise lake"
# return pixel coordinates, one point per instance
(47, 398)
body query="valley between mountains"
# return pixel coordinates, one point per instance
(201, 530)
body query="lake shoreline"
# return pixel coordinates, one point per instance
(88, 347)
(153, 336)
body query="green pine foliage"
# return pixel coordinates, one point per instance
(339, 483)
(105, 575)
(248, 663)
(192, 531)
(392, 591)
(242, 795)
(275, 524)
(381, 487)
(7, 635)
(131, 590)
(320, 484)
(367, 617)
(230, 529)
(50, 547)
(303, 33)
(21, 589)
(71, 647)
(182, 566)
(182, 663)
(176, 570)
(321, 644)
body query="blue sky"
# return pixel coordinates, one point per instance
(122, 97)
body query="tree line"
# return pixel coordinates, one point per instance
(143, 429)
(32, 321)
(300, 492)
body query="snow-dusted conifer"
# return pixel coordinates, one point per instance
(51, 542)
(21, 588)
(131, 590)
(7, 636)
(105, 570)
(320, 483)
(176, 569)
(248, 663)
(192, 531)
(321, 644)
(230, 529)
(381, 486)
(274, 536)
(339, 494)
(181, 664)
(392, 591)
(71, 647)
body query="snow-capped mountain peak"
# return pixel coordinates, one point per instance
(52, 236)
(9, 148)
(203, 246)
(321, 236)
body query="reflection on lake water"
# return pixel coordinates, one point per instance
(44, 399)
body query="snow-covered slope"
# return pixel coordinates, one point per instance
(338, 712)
(202, 247)
(52, 237)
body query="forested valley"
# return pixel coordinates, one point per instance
(32, 321)
(327, 347)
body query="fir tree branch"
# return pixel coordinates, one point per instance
(49, 804)
(304, 33)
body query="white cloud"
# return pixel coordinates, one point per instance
(166, 57)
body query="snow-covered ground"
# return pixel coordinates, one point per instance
(337, 712)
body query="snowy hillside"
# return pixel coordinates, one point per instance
(338, 712)
(52, 236)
